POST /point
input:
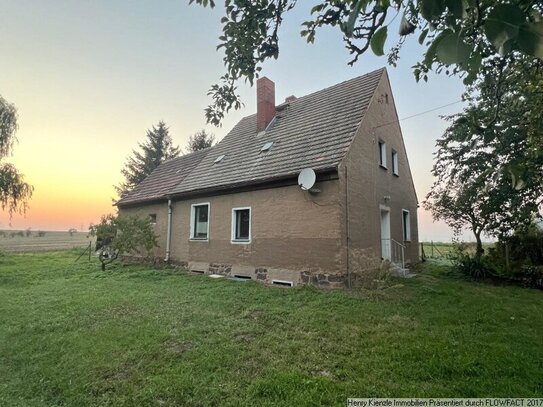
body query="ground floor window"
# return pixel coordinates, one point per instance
(241, 225)
(152, 218)
(199, 221)
(406, 223)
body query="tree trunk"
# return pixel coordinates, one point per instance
(479, 249)
(103, 266)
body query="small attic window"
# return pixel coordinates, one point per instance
(219, 159)
(266, 147)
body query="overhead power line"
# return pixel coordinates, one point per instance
(420, 114)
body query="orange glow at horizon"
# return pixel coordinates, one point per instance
(88, 81)
(60, 207)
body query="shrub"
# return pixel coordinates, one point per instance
(40, 233)
(470, 264)
(531, 276)
(117, 235)
(514, 253)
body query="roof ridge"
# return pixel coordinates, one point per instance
(337, 85)
(301, 98)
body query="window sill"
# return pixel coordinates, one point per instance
(407, 241)
(396, 175)
(195, 239)
(383, 167)
(240, 241)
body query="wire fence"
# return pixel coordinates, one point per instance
(435, 250)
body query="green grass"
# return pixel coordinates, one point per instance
(73, 335)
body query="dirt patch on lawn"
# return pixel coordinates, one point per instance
(177, 346)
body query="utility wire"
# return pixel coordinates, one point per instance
(420, 114)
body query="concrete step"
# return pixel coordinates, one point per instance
(398, 271)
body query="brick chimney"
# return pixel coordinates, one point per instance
(290, 99)
(265, 103)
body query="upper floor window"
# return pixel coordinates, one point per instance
(199, 221)
(241, 225)
(382, 154)
(406, 223)
(395, 162)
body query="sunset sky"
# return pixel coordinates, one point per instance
(89, 78)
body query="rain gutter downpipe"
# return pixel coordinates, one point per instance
(347, 231)
(169, 231)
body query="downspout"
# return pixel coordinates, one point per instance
(347, 229)
(169, 231)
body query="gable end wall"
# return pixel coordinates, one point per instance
(367, 185)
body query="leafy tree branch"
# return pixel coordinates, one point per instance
(459, 35)
(14, 191)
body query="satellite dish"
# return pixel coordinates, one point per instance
(306, 179)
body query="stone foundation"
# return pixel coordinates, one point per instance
(217, 268)
(270, 275)
(260, 274)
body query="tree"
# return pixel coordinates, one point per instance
(14, 191)
(117, 235)
(156, 149)
(489, 161)
(199, 141)
(459, 35)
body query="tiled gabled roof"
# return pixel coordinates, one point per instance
(312, 131)
(164, 178)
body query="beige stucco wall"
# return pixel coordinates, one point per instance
(160, 228)
(367, 184)
(291, 230)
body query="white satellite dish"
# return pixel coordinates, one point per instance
(306, 179)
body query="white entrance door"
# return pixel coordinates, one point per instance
(385, 234)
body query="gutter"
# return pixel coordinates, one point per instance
(325, 174)
(169, 232)
(263, 183)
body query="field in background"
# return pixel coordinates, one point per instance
(436, 250)
(442, 251)
(49, 241)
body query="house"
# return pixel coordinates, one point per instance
(237, 209)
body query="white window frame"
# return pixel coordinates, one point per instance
(151, 215)
(406, 225)
(192, 221)
(395, 163)
(382, 153)
(233, 239)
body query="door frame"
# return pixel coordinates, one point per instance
(385, 232)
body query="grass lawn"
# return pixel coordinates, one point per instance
(73, 335)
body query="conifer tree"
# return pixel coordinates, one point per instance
(156, 149)
(200, 141)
